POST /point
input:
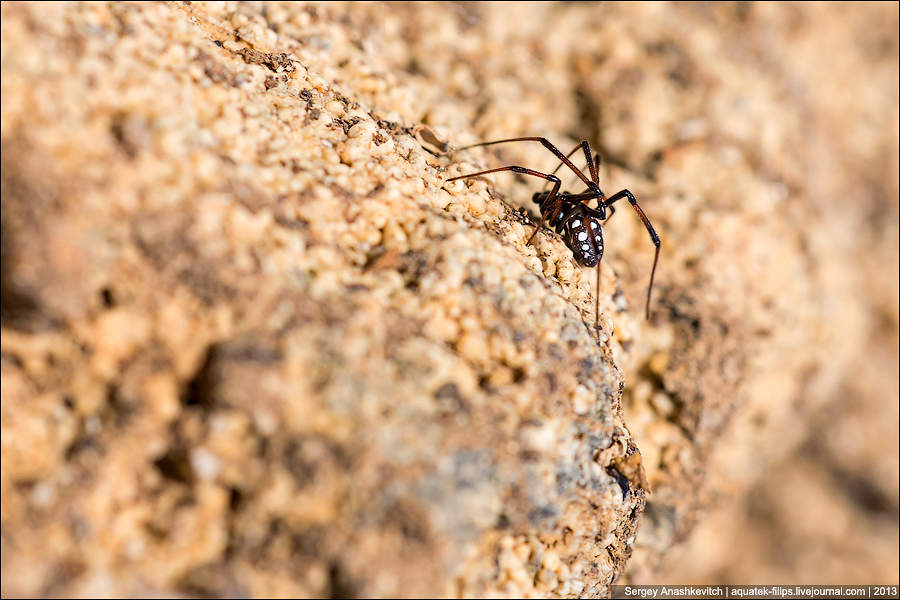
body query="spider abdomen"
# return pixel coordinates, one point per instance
(579, 225)
(584, 237)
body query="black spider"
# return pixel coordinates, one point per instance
(579, 224)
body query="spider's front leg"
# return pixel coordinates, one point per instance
(546, 144)
(553, 198)
(591, 165)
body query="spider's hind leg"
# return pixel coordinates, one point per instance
(653, 237)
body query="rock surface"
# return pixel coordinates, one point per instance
(252, 345)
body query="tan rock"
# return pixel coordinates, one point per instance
(252, 345)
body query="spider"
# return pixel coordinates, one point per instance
(579, 224)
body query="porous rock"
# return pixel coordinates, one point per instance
(251, 345)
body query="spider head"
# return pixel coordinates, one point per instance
(584, 236)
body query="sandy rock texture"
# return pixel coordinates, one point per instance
(252, 345)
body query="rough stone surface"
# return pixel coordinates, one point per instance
(251, 345)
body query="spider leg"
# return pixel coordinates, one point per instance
(566, 216)
(653, 237)
(577, 207)
(591, 165)
(553, 200)
(597, 303)
(546, 143)
(569, 155)
(553, 204)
